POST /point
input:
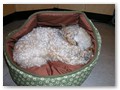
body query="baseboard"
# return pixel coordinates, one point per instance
(9, 18)
(25, 14)
(99, 17)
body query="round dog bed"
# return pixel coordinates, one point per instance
(53, 73)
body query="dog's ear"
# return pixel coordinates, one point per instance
(71, 41)
(67, 36)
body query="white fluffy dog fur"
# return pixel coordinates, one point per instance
(68, 45)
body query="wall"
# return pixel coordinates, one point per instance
(8, 9)
(107, 9)
(95, 8)
(80, 7)
(26, 7)
(100, 8)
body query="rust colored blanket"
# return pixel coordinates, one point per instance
(52, 20)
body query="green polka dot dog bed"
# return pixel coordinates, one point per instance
(53, 73)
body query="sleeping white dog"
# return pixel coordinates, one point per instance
(69, 45)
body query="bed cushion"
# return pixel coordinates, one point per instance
(51, 20)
